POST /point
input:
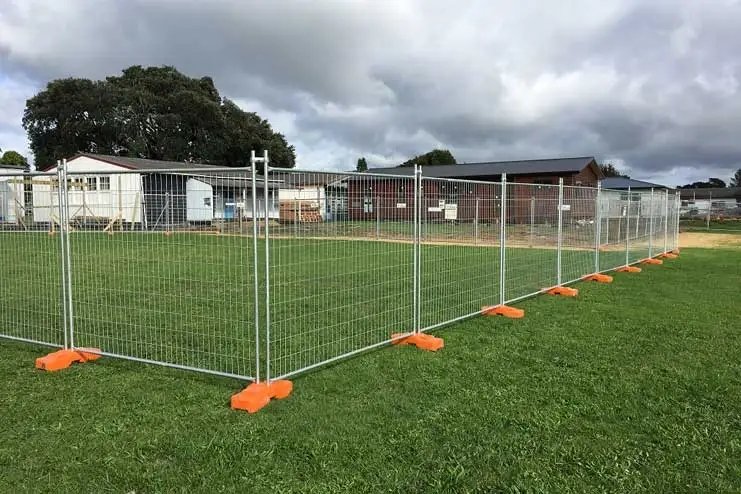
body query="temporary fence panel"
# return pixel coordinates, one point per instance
(531, 239)
(31, 283)
(578, 230)
(162, 269)
(342, 282)
(459, 253)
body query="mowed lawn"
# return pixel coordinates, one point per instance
(631, 387)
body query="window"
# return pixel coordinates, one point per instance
(92, 183)
(207, 202)
(105, 183)
(401, 194)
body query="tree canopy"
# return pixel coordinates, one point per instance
(362, 165)
(711, 183)
(609, 170)
(432, 158)
(13, 158)
(736, 179)
(152, 112)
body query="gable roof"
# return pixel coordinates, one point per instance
(488, 168)
(624, 183)
(138, 163)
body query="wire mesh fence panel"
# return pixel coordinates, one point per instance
(639, 225)
(578, 232)
(31, 290)
(459, 249)
(341, 265)
(162, 267)
(613, 227)
(531, 230)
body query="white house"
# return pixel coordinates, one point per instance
(136, 193)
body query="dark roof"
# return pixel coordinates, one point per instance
(138, 163)
(711, 193)
(489, 168)
(624, 183)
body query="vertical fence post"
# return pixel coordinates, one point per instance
(532, 220)
(68, 262)
(597, 226)
(255, 263)
(62, 249)
(651, 226)
(266, 192)
(666, 220)
(418, 208)
(476, 223)
(560, 231)
(677, 205)
(627, 229)
(378, 218)
(710, 208)
(502, 236)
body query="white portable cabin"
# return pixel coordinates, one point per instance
(12, 197)
(90, 193)
(220, 198)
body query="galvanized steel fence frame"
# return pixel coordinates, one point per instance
(320, 281)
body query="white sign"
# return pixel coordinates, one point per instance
(451, 211)
(565, 207)
(434, 209)
(401, 205)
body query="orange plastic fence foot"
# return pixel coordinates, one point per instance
(61, 359)
(255, 396)
(599, 278)
(651, 260)
(422, 341)
(628, 269)
(563, 291)
(668, 255)
(503, 310)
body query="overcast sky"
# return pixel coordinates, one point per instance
(652, 86)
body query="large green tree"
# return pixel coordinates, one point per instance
(433, 158)
(362, 165)
(711, 183)
(14, 159)
(148, 112)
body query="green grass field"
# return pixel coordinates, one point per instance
(732, 225)
(631, 387)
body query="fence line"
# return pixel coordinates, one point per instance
(263, 276)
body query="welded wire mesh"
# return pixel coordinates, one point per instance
(459, 249)
(162, 267)
(31, 280)
(578, 216)
(531, 230)
(341, 264)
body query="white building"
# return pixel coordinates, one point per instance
(12, 197)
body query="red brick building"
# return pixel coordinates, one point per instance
(393, 198)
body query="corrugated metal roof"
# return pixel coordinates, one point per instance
(623, 183)
(711, 193)
(523, 167)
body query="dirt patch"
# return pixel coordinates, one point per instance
(709, 240)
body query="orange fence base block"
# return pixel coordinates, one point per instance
(651, 260)
(257, 395)
(503, 310)
(668, 255)
(628, 269)
(422, 341)
(599, 278)
(61, 359)
(563, 291)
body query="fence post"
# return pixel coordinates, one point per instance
(62, 249)
(417, 243)
(378, 218)
(666, 220)
(502, 237)
(255, 263)
(266, 192)
(476, 223)
(627, 229)
(532, 220)
(651, 226)
(560, 231)
(68, 262)
(597, 226)
(710, 208)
